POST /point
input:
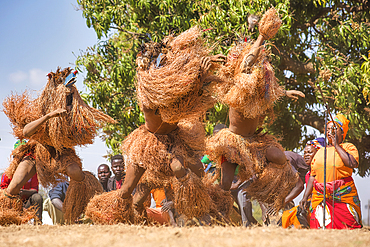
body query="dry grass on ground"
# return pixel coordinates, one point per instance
(127, 235)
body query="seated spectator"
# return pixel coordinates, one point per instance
(54, 204)
(29, 193)
(104, 174)
(118, 169)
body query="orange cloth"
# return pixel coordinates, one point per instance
(290, 217)
(342, 122)
(156, 213)
(344, 193)
(341, 171)
(158, 195)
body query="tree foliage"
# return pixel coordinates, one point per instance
(322, 43)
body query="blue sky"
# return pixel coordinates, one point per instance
(38, 36)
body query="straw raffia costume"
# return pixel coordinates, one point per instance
(51, 147)
(170, 82)
(271, 182)
(252, 91)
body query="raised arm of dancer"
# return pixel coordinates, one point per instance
(32, 127)
(206, 62)
(294, 94)
(253, 54)
(219, 58)
(307, 193)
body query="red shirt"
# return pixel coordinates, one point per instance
(118, 184)
(32, 184)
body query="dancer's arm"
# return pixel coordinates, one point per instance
(294, 94)
(219, 58)
(206, 63)
(27, 193)
(254, 51)
(32, 127)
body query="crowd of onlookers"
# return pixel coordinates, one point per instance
(54, 203)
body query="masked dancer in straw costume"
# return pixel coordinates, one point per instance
(174, 81)
(54, 123)
(250, 89)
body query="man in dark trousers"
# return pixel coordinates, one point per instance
(118, 169)
(54, 204)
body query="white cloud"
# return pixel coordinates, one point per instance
(18, 76)
(34, 77)
(37, 77)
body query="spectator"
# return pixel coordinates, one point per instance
(301, 168)
(54, 204)
(104, 174)
(118, 169)
(29, 193)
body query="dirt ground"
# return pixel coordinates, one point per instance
(129, 235)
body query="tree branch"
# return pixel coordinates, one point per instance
(129, 32)
(310, 23)
(293, 65)
(311, 119)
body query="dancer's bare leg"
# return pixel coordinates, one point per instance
(141, 194)
(75, 172)
(172, 218)
(197, 168)
(275, 155)
(178, 168)
(227, 174)
(24, 172)
(133, 175)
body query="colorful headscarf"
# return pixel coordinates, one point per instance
(19, 143)
(342, 122)
(317, 143)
